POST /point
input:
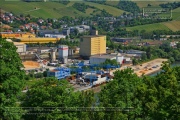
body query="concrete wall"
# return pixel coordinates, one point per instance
(21, 48)
(119, 59)
(63, 51)
(85, 46)
(94, 60)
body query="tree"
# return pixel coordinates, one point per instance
(134, 61)
(49, 92)
(120, 93)
(11, 79)
(148, 52)
(178, 45)
(168, 94)
(143, 56)
(57, 95)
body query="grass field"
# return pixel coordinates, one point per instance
(53, 9)
(112, 2)
(176, 14)
(153, 3)
(173, 25)
(149, 27)
(45, 9)
(112, 10)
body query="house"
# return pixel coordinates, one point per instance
(40, 21)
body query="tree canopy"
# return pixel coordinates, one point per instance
(11, 78)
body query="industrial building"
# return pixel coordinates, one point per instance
(63, 53)
(21, 47)
(59, 73)
(17, 35)
(98, 59)
(80, 28)
(137, 52)
(55, 35)
(38, 40)
(92, 45)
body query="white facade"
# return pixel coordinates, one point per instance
(55, 35)
(120, 59)
(63, 51)
(102, 58)
(99, 59)
(20, 47)
(44, 50)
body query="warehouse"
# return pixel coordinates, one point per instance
(137, 52)
(21, 47)
(38, 40)
(98, 59)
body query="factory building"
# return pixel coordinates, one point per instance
(38, 40)
(21, 47)
(137, 52)
(98, 59)
(16, 35)
(92, 45)
(59, 73)
(55, 35)
(63, 53)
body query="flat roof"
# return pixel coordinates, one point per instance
(18, 43)
(103, 56)
(93, 35)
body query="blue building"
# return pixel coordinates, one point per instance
(59, 73)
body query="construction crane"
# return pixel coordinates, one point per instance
(40, 60)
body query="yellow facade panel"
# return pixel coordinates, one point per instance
(92, 45)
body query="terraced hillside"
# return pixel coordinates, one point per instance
(149, 27)
(153, 3)
(173, 25)
(53, 9)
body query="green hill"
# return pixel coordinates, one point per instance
(173, 25)
(53, 9)
(153, 3)
(149, 27)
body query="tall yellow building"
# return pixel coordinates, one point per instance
(92, 45)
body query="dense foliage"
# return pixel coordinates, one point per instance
(97, 1)
(58, 96)
(173, 5)
(128, 6)
(143, 98)
(81, 7)
(11, 79)
(126, 97)
(65, 2)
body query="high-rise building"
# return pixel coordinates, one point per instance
(92, 45)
